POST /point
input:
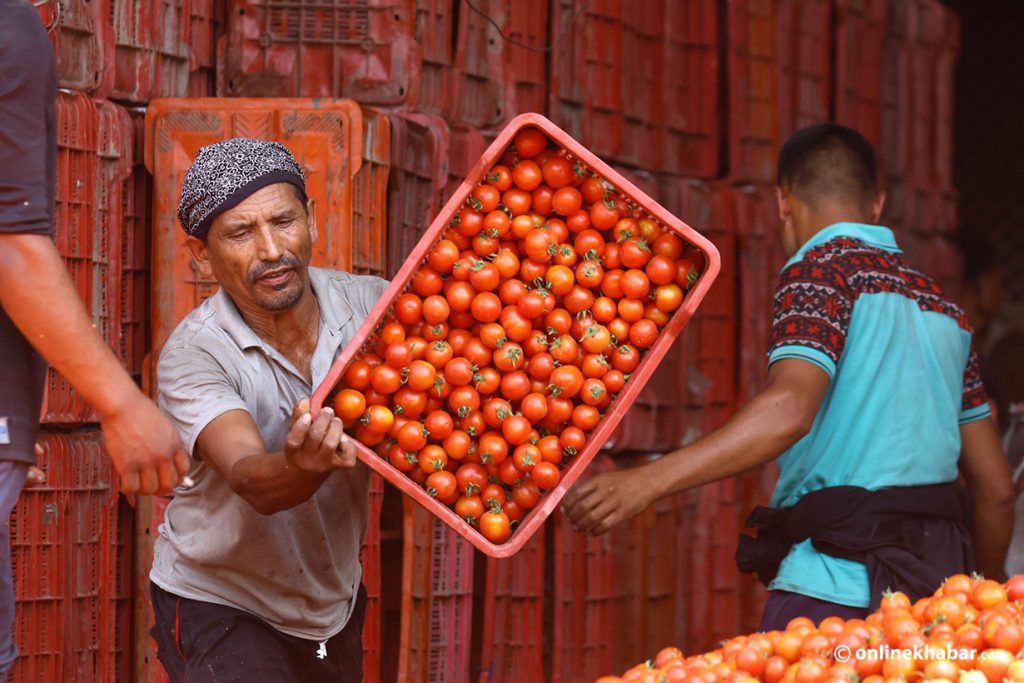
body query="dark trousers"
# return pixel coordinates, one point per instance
(201, 642)
(783, 606)
(12, 479)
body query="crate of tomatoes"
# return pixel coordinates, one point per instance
(517, 334)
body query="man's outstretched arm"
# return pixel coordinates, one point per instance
(762, 430)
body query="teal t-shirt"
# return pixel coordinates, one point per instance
(903, 379)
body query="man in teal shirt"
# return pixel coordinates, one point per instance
(874, 400)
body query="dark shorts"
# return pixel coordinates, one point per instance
(783, 606)
(12, 479)
(201, 642)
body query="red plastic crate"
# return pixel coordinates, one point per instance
(689, 129)
(753, 107)
(83, 43)
(134, 26)
(804, 46)
(326, 138)
(401, 280)
(135, 224)
(202, 78)
(437, 601)
(949, 54)
(897, 117)
(362, 49)
(526, 70)
(370, 196)
(642, 73)
(75, 226)
(465, 146)
(369, 557)
(172, 49)
(71, 554)
(419, 170)
(760, 261)
(512, 635)
(585, 593)
(433, 30)
(859, 34)
(585, 94)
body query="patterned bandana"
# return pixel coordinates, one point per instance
(227, 172)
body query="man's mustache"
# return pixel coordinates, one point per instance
(263, 268)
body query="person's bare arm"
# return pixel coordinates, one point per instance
(280, 480)
(987, 473)
(39, 297)
(762, 430)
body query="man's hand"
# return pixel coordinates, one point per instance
(607, 500)
(144, 447)
(35, 476)
(318, 445)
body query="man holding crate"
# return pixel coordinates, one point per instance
(874, 407)
(256, 574)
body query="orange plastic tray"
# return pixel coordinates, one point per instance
(615, 412)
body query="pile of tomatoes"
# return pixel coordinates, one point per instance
(515, 335)
(966, 616)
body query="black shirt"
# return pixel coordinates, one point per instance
(28, 159)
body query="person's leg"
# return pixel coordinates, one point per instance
(343, 659)
(782, 606)
(12, 480)
(200, 642)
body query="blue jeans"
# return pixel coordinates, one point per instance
(12, 479)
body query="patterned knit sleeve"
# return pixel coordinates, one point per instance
(975, 400)
(812, 313)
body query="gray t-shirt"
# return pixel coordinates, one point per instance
(297, 569)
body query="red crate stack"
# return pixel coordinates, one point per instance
(525, 55)
(859, 34)
(370, 558)
(134, 27)
(342, 48)
(437, 601)
(71, 554)
(172, 50)
(202, 78)
(465, 147)
(895, 139)
(689, 130)
(370, 196)
(135, 224)
(83, 43)
(481, 98)
(585, 596)
(512, 633)
(585, 86)
(433, 31)
(804, 47)
(752, 68)
(75, 224)
(419, 170)
(642, 75)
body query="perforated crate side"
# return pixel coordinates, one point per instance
(134, 28)
(370, 196)
(466, 146)
(526, 69)
(433, 30)
(370, 558)
(172, 50)
(752, 67)
(83, 44)
(859, 33)
(804, 46)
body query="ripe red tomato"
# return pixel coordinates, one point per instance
(625, 359)
(572, 440)
(566, 201)
(604, 215)
(589, 244)
(541, 200)
(611, 285)
(410, 403)
(495, 526)
(378, 419)
(635, 284)
(566, 381)
(439, 425)
(527, 175)
(436, 309)
(560, 279)
(518, 201)
(516, 429)
(592, 190)
(635, 253)
(509, 357)
(539, 246)
(614, 381)
(631, 310)
(408, 309)
(464, 400)
(402, 460)
(357, 376)
(443, 256)
(530, 142)
(578, 221)
(485, 307)
(493, 448)
(540, 366)
(662, 270)
(441, 485)
(668, 245)
(643, 334)
(565, 255)
(486, 198)
(468, 223)
(586, 417)
(526, 494)
(611, 259)
(593, 392)
(515, 385)
(458, 372)
(398, 355)
(596, 339)
(438, 354)
(525, 457)
(557, 172)
(563, 349)
(517, 328)
(578, 299)
(385, 379)
(349, 405)
(668, 298)
(412, 437)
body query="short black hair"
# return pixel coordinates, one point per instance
(300, 194)
(828, 161)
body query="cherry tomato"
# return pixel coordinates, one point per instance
(592, 190)
(572, 440)
(578, 299)
(435, 309)
(559, 409)
(530, 142)
(625, 359)
(635, 284)
(404, 461)
(495, 526)
(614, 380)
(500, 177)
(439, 425)
(668, 245)
(464, 400)
(643, 334)
(586, 417)
(593, 392)
(604, 215)
(662, 270)
(443, 256)
(526, 456)
(557, 172)
(493, 448)
(539, 246)
(516, 429)
(635, 253)
(509, 357)
(611, 285)
(438, 354)
(668, 298)
(566, 381)
(378, 419)
(349, 405)
(517, 201)
(527, 175)
(526, 494)
(515, 385)
(441, 485)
